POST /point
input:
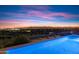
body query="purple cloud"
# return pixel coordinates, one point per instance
(51, 14)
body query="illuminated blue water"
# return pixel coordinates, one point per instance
(64, 45)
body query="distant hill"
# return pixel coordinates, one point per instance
(40, 27)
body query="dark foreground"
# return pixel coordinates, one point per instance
(13, 38)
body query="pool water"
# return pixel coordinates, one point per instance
(64, 45)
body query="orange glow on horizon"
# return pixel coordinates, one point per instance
(24, 23)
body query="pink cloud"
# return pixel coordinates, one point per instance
(41, 14)
(38, 14)
(50, 15)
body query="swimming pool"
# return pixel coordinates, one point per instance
(64, 45)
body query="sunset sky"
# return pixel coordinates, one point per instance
(42, 15)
